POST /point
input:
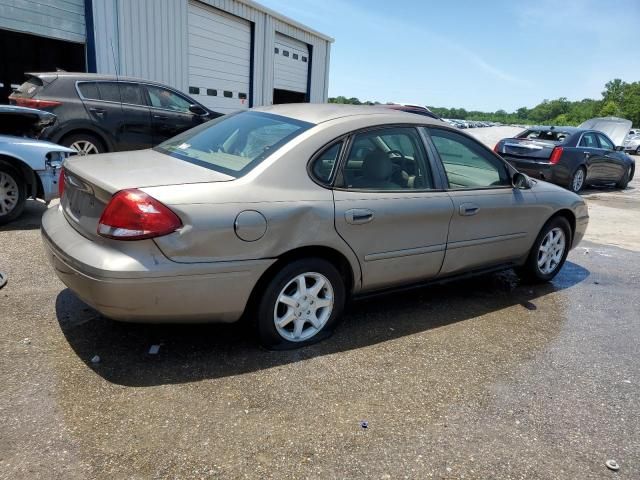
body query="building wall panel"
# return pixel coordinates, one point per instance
(60, 19)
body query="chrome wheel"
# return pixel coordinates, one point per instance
(303, 307)
(551, 251)
(84, 147)
(578, 180)
(9, 193)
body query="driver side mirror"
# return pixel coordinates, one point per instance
(619, 148)
(521, 181)
(198, 110)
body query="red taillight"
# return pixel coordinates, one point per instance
(134, 215)
(61, 183)
(496, 149)
(34, 102)
(556, 154)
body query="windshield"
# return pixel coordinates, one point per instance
(234, 144)
(548, 135)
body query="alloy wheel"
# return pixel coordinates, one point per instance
(84, 147)
(578, 180)
(9, 193)
(303, 307)
(551, 251)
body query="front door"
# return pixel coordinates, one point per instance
(388, 210)
(492, 223)
(613, 166)
(170, 114)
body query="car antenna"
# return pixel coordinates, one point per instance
(115, 64)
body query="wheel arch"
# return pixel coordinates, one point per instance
(331, 255)
(88, 131)
(28, 175)
(569, 216)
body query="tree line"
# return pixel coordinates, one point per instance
(619, 99)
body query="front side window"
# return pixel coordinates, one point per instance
(234, 144)
(605, 142)
(466, 163)
(168, 100)
(589, 141)
(325, 163)
(387, 159)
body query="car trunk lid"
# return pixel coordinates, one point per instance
(90, 181)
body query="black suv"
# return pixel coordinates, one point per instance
(103, 113)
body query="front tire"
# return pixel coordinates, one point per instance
(13, 194)
(300, 305)
(577, 180)
(549, 252)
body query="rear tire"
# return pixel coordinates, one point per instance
(13, 194)
(624, 181)
(300, 305)
(549, 252)
(84, 143)
(577, 180)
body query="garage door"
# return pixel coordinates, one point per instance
(291, 64)
(219, 58)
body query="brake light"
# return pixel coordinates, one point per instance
(134, 215)
(61, 183)
(556, 154)
(496, 149)
(35, 103)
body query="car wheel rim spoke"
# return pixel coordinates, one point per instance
(84, 147)
(578, 179)
(551, 251)
(303, 307)
(9, 193)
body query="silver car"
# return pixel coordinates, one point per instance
(282, 213)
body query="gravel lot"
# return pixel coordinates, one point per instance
(485, 378)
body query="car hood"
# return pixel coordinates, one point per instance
(11, 142)
(139, 169)
(23, 121)
(615, 128)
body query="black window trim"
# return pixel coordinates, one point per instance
(338, 182)
(329, 184)
(510, 170)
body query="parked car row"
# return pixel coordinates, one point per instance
(470, 123)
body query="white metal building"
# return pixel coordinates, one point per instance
(228, 54)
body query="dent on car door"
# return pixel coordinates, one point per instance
(492, 222)
(388, 210)
(170, 114)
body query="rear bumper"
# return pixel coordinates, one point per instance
(133, 281)
(557, 174)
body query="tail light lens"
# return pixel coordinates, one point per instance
(134, 215)
(496, 148)
(35, 103)
(556, 154)
(61, 183)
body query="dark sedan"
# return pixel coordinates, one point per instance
(568, 156)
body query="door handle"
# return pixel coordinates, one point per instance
(468, 209)
(358, 216)
(586, 154)
(160, 117)
(97, 111)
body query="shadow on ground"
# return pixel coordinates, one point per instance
(30, 218)
(194, 352)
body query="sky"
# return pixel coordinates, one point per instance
(478, 55)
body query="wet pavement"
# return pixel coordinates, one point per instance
(484, 378)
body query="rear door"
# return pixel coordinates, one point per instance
(170, 113)
(102, 103)
(613, 166)
(136, 130)
(492, 223)
(388, 207)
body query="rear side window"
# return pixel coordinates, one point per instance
(131, 93)
(466, 163)
(234, 144)
(325, 163)
(89, 90)
(109, 91)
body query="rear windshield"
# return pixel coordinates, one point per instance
(234, 144)
(29, 88)
(557, 136)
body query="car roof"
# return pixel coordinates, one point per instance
(80, 76)
(324, 112)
